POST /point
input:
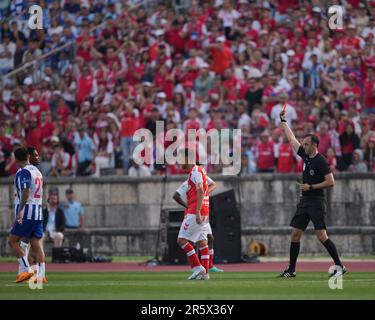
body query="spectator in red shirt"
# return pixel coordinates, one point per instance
(5, 139)
(191, 66)
(85, 44)
(324, 138)
(352, 41)
(62, 109)
(111, 56)
(193, 121)
(222, 56)
(159, 45)
(135, 70)
(37, 105)
(84, 85)
(369, 89)
(34, 134)
(265, 154)
(352, 88)
(129, 124)
(285, 162)
(47, 127)
(284, 5)
(174, 37)
(192, 32)
(164, 82)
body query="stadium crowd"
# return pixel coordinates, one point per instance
(193, 64)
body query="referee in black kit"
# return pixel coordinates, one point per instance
(312, 205)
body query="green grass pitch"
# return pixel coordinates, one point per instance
(173, 285)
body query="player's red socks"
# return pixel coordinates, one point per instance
(205, 257)
(211, 263)
(192, 256)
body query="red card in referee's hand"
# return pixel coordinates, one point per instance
(282, 113)
(284, 107)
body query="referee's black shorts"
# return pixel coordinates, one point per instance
(310, 208)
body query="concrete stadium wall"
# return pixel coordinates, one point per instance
(122, 213)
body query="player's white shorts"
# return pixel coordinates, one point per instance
(209, 230)
(193, 231)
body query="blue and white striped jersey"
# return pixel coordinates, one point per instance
(29, 177)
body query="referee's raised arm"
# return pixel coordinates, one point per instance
(288, 132)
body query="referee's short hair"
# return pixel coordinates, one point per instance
(314, 139)
(21, 154)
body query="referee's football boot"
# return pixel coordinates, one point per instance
(287, 274)
(339, 272)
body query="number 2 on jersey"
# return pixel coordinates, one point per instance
(39, 184)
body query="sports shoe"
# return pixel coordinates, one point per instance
(24, 276)
(287, 274)
(205, 276)
(197, 271)
(215, 269)
(338, 273)
(44, 280)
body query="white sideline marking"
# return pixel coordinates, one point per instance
(104, 283)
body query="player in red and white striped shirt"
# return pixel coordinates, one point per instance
(180, 198)
(195, 226)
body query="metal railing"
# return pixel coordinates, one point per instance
(33, 68)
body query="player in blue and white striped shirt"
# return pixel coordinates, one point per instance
(29, 218)
(34, 159)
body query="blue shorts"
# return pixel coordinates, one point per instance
(28, 229)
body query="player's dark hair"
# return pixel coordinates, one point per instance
(31, 150)
(21, 154)
(314, 139)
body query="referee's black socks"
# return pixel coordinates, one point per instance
(331, 248)
(293, 255)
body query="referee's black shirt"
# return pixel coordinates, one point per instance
(314, 170)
